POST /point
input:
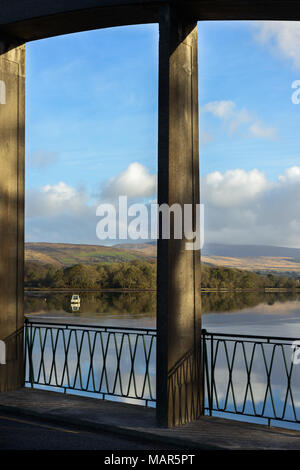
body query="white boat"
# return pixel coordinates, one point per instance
(75, 299)
(75, 307)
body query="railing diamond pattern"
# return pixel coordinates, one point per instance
(251, 376)
(113, 362)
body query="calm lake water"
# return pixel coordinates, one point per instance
(271, 314)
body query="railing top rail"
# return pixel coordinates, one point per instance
(254, 337)
(84, 326)
(230, 336)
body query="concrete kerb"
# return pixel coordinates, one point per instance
(129, 433)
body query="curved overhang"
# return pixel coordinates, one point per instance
(29, 20)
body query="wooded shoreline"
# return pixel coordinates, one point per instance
(116, 290)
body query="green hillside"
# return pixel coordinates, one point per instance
(139, 274)
(65, 254)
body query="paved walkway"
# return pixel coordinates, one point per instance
(208, 433)
(28, 433)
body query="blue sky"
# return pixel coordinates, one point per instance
(234, 65)
(92, 128)
(92, 103)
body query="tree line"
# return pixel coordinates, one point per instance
(230, 278)
(142, 275)
(131, 275)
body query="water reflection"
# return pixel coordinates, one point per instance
(272, 317)
(131, 309)
(103, 361)
(273, 314)
(75, 303)
(252, 377)
(248, 377)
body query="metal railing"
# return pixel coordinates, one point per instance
(243, 375)
(253, 376)
(101, 360)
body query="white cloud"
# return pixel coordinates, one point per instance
(291, 174)
(245, 208)
(233, 188)
(234, 118)
(134, 182)
(280, 36)
(49, 201)
(241, 207)
(258, 130)
(205, 138)
(62, 213)
(221, 109)
(41, 159)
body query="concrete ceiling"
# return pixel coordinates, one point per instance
(36, 19)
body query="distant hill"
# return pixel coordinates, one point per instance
(65, 254)
(259, 258)
(246, 251)
(218, 249)
(147, 249)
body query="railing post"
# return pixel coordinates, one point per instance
(212, 378)
(204, 370)
(29, 349)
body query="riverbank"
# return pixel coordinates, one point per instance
(204, 289)
(71, 290)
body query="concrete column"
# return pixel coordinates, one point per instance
(12, 113)
(179, 396)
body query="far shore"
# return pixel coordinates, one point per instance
(74, 289)
(204, 289)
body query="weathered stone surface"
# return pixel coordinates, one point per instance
(178, 305)
(12, 114)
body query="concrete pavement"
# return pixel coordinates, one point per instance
(137, 422)
(26, 433)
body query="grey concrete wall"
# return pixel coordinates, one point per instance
(12, 113)
(178, 300)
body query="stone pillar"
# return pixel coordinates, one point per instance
(179, 396)
(12, 113)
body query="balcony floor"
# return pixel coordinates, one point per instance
(138, 422)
